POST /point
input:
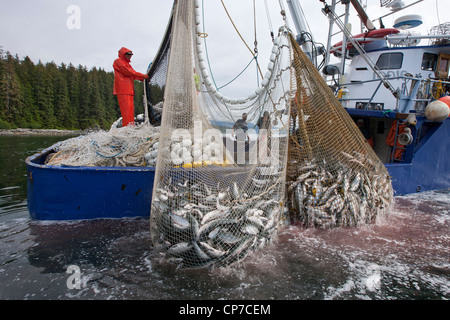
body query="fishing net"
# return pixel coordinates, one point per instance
(334, 177)
(218, 193)
(119, 147)
(155, 86)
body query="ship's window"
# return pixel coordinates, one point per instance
(429, 61)
(390, 61)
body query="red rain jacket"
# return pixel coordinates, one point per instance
(124, 74)
(391, 139)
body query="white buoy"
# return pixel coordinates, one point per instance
(436, 111)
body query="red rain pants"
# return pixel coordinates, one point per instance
(126, 104)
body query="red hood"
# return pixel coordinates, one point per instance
(122, 52)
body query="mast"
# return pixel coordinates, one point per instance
(300, 24)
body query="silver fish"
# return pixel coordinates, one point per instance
(200, 254)
(179, 248)
(207, 189)
(221, 207)
(257, 221)
(269, 202)
(179, 222)
(259, 203)
(190, 206)
(244, 244)
(226, 237)
(303, 176)
(250, 229)
(235, 190)
(193, 222)
(259, 183)
(273, 219)
(222, 195)
(355, 183)
(211, 251)
(211, 198)
(209, 227)
(336, 203)
(253, 212)
(215, 214)
(197, 214)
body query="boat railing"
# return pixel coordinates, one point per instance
(414, 93)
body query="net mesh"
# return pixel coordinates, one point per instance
(118, 147)
(218, 194)
(157, 72)
(222, 186)
(334, 177)
(221, 194)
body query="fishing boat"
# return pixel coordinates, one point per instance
(394, 82)
(86, 192)
(388, 84)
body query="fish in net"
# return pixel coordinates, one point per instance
(334, 177)
(218, 193)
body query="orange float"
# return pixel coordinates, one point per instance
(446, 100)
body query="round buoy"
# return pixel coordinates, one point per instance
(446, 100)
(436, 111)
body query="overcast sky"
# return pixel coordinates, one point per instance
(46, 30)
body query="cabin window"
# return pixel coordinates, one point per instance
(429, 61)
(443, 65)
(390, 61)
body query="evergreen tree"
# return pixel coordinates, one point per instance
(96, 109)
(84, 120)
(44, 96)
(51, 96)
(11, 99)
(26, 74)
(65, 115)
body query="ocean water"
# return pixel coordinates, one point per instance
(405, 255)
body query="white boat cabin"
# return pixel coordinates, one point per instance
(402, 67)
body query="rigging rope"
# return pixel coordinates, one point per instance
(269, 21)
(206, 47)
(248, 65)
(240, 36)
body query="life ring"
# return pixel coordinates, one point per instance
(362, 38)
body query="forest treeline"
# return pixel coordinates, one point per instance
(50, 96)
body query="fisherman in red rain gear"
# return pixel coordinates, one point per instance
(124, 76)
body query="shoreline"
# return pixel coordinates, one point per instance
(22, 131)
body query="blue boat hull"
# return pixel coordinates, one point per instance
(426, 165)
(73, 193)
(429, 168)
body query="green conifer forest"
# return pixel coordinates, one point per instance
(50, 96)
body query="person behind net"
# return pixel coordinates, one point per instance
(264, 127)
(241, 124)
(124, 76)
(365, 131)
(240, 129)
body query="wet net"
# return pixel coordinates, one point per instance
(334, 177)
(155, 86)
(222, 187)
(132, 146)
(218, 192)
